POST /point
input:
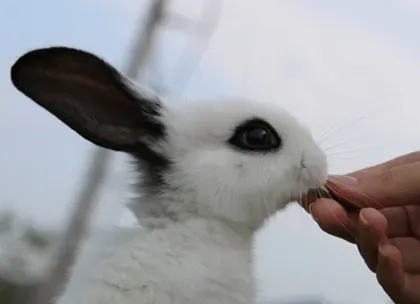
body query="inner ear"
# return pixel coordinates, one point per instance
(90, 96)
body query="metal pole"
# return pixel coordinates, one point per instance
(85, 203)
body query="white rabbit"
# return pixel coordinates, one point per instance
(212, 173)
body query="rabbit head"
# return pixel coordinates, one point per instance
(235, 160)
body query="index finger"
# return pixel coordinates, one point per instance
(392, 187)
(380, 168)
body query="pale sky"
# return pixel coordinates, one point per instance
(355, 64)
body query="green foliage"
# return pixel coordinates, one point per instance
(39, 239)
(17, 293)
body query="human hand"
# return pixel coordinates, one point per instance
(387, 229)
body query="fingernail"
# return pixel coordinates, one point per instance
(362, 218)
(346, 178)
(351, 179)
(310, 212)
(382, 250)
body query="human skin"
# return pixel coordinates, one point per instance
(385, 225)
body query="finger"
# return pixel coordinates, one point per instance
(410, 253)
(398, 222)
(411, 290)
(371, 232)
(398, 219)
(413, 214)
(397, 186)
(399, 161)
(311, 196)
(360, 175)
(332, 218)
(307, 200)
(390, 273)
(332, 191)
(339, 187)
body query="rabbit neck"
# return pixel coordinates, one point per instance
(161, 212)
(200, 224)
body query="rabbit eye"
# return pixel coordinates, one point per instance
(255, 135)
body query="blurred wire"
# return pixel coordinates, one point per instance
(210, 17)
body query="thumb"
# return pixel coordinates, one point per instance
(396, 186)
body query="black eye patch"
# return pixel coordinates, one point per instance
(255, 135)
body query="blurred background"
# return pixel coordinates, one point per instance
(349, 70)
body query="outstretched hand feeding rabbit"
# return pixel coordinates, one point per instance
(212, 172)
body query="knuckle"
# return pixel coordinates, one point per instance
(388, 181)
(387, 177)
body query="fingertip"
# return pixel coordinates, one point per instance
(362, 218)
(309, 199)
(387, 250)
(326, 210)
(375, 221)
(311, 212)
(391, 255)
(390, 272)
(343, 179)
(371, 215)
(330, 216)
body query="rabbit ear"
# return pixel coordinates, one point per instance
(89, 96)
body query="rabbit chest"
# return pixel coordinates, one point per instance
(196, 262)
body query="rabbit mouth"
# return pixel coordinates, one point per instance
(311, 179)
(309, 182)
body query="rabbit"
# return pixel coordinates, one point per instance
(211, 173)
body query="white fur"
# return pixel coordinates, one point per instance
(194, 243)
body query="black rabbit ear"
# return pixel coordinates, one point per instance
(89, 96)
